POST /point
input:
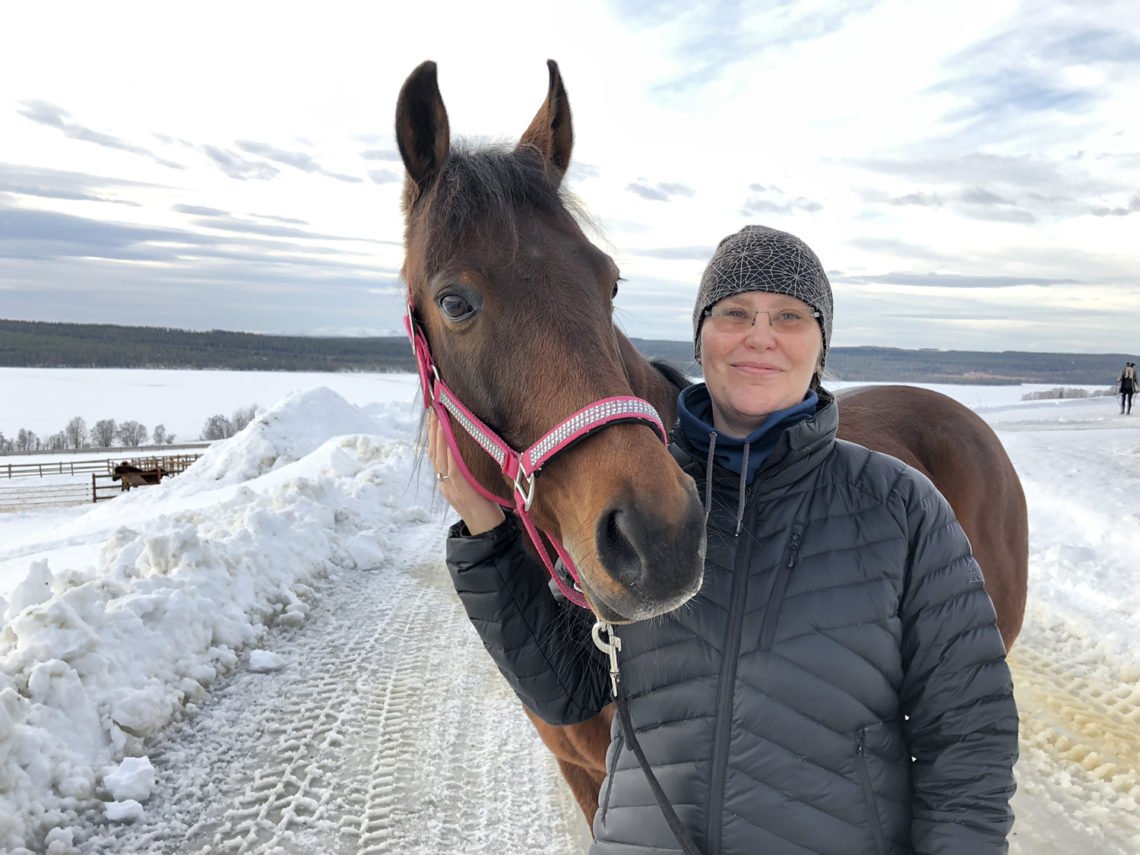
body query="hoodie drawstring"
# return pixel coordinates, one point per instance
(709, 482)
(709, 475)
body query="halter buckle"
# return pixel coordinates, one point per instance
(526, 493)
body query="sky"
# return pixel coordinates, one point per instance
(968, 173)
(240, 652)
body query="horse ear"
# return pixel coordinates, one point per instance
(551, 131)
(422, 132)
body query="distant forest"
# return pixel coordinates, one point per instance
(30, 344)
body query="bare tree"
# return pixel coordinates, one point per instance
(243, 416)
(6, 444)
(57, 442)
(218, 427)
(158, 435)
(75, 434)
(26, 440)
(103, 433)
(132, 433)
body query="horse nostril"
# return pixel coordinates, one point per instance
(616, 548)
(657, 556)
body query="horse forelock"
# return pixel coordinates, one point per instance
(489, 189)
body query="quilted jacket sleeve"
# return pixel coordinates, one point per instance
(541, 643)
(957, 690)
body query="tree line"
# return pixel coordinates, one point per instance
(33, 344)
(108, 433)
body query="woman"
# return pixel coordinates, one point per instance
(1127, 386)
(838, 685)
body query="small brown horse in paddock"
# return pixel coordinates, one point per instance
(132, 476)
(517, 306)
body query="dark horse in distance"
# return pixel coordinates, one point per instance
(130, 475)
(517, 304)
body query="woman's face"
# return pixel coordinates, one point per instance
(756, 371)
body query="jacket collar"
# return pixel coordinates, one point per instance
(798, 448)
(784, 447)
(742, 455)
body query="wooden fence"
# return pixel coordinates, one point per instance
(26, 496)
(104, 487)
(11, 469)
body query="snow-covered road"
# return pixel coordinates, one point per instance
(358, 744)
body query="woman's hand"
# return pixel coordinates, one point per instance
(479, 514)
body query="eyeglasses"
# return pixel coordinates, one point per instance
(788, 320)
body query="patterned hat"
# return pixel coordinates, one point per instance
(758, 258)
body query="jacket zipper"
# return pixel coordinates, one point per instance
(776, 600)
(869, 793)
(739, 595)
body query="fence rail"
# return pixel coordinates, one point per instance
(22, 495)
(169, 462)
(55, 495)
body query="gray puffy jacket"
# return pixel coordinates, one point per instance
(838, 685)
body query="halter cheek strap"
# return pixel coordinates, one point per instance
(522, 468)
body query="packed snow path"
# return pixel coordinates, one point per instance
(358, 743)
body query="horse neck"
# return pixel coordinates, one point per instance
(649, 383)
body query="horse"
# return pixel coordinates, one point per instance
(516, 304)
(132, 476)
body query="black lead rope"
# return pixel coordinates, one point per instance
(611, 647)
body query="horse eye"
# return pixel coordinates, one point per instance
(454, 306)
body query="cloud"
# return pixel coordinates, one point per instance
(978, 196)
(709, 38)
(296, 159)
(31, 234)
(1133, 208)
(996, 187)
(1000, 215)
(926, 200)
(677, 253)
(952, 280)
(580, 170)
(52, 116)
(767, 199)
(293, 221)
(61, 184)
(236, 166)
(1001, 94)
(383, 176)
(233, 224)
(199, 210)
(381, 154)
(663, 191)
(49, 234)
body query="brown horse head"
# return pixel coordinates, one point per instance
(517, 306)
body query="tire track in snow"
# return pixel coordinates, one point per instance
(1079, 772)
(389, 730)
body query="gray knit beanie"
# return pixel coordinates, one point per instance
(758, 258)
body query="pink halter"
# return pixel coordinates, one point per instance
(522, 468)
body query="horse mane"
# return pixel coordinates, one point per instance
(486, 188)
(671, 373)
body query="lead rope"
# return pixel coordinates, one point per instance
(610, 646)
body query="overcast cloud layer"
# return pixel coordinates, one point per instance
(969, 173)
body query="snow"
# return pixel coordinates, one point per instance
(266, 647)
